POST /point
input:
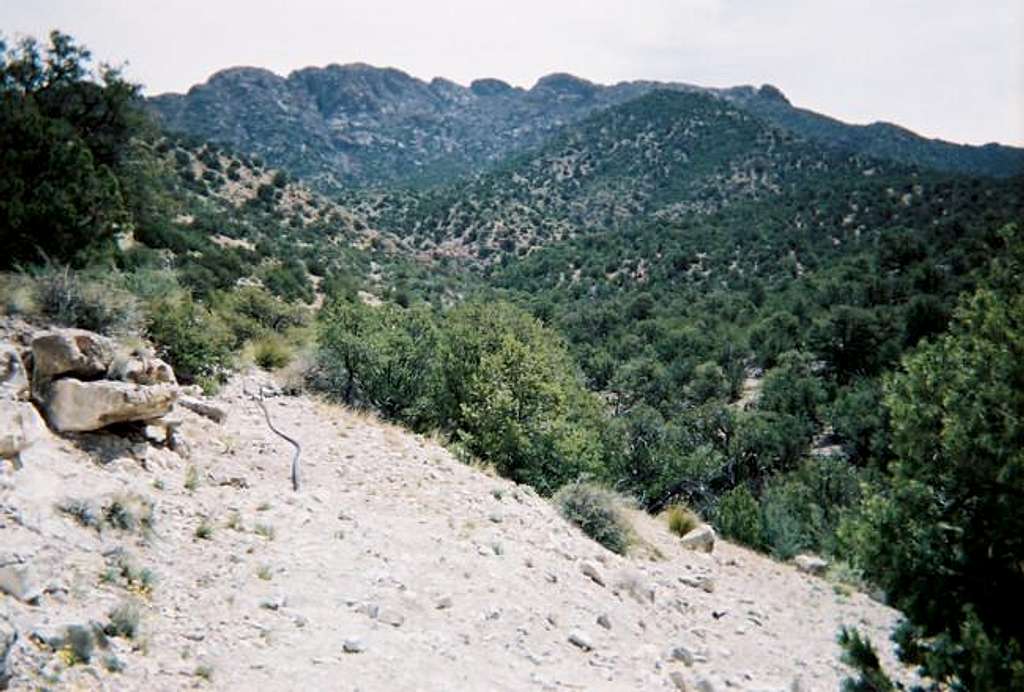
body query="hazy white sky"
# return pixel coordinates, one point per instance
(945, 68)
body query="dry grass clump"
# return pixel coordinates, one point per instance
(681, 520)
(598, 512)
(270, 351)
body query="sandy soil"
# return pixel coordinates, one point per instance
(438, 575)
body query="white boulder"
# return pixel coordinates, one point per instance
(75, 406)
(701, 539)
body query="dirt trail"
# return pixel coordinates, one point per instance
(439, 576)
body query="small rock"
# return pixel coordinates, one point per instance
(207, 410)
(702, 582)
(581, 640)
(604, 621)
(678, 680)
(705, 685)
(682, 653)
(590, 570)
(811, 564)
(13, 376)
(444, 603)
(354, 645)
(21, 427)
(17, 580)
(701, 539)
(390, 617)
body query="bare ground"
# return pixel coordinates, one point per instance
(446, 577)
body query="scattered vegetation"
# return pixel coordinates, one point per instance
(123, 569)
(124, 512)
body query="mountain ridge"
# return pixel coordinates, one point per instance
(366, 126)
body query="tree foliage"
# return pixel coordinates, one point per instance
(65, 133)
(945, 536)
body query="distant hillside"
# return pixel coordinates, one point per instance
(367, 126)
(664, 156)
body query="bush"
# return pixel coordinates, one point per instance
(383, 357)
(681, 520)
(70, 299)
(124, 621)
(738, 516)
(191, 339)
(271, 352)
(80, 644)
(597, 511)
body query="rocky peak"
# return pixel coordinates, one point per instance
(489, 86)
(772, 93)
(561, 84)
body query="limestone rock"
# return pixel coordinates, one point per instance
(214, 413)
(141, 369)
(21, 426)
(354, 645)
(390, 617)
(13, 376)
(74, 352)
(17, 580)
(581, 640)
(701, 539)
(684, 654)
(811, 564)
(589, 569)
(76, 406)
(699, 581)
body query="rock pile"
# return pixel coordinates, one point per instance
(80, 382)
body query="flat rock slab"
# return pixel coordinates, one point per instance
(76, 406)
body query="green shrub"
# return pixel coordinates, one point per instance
(191, 339)
(80, 644)
(597, 511)
(738, 516)
(383, 357)
(271, 352)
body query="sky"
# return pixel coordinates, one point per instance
(952, 69)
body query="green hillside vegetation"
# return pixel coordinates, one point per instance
(672, 298)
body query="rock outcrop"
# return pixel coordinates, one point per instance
(81, 384)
